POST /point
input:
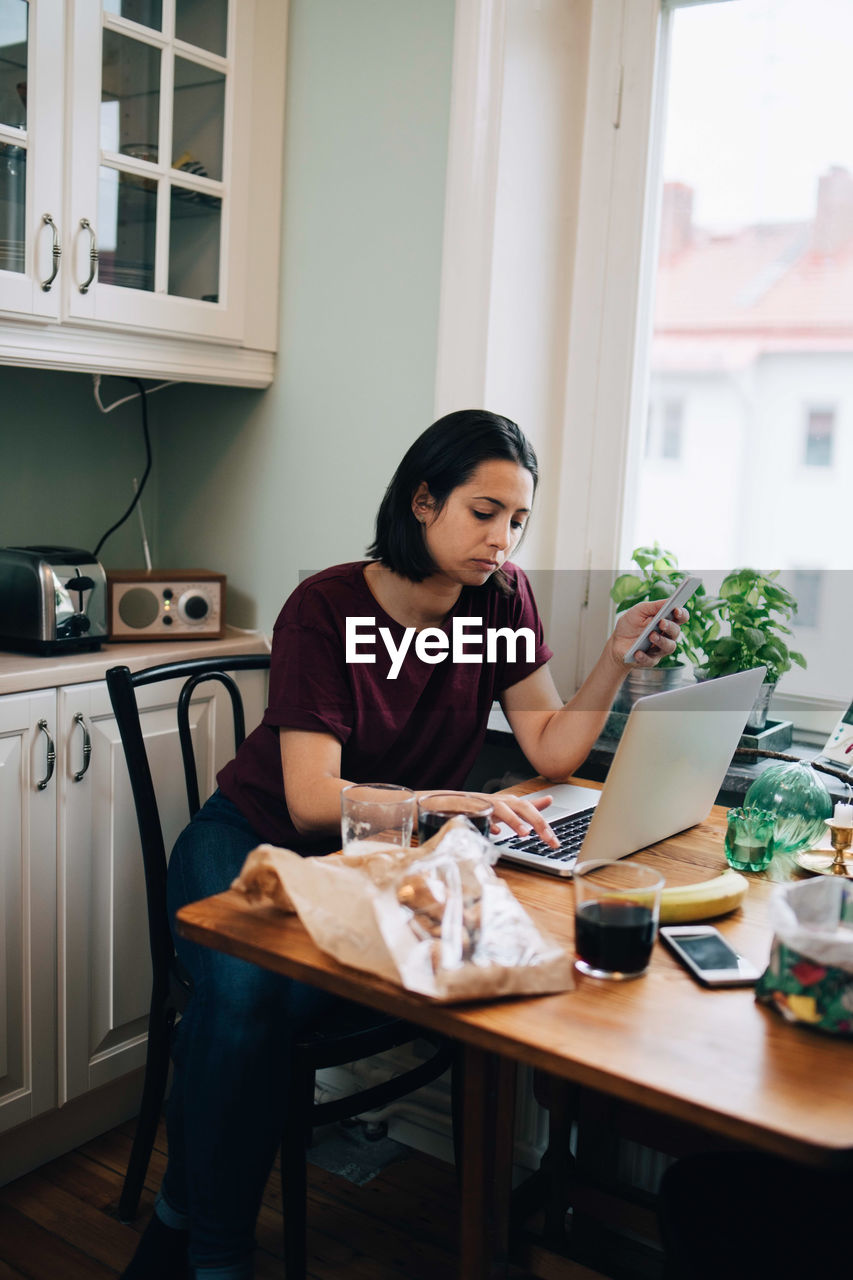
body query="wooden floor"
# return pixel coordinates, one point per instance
(59, 1222)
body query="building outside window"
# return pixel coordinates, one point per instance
(752, 312)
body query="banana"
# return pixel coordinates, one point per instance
(703, 901)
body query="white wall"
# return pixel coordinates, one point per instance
(541, 136)
(261, 485)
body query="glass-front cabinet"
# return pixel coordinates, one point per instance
(150, 203)
(14, 33)
(31, 157)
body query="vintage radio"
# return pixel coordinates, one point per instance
(165, 604)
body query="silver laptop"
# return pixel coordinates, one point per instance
(674, 753)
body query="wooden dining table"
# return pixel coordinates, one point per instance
(710, 1058)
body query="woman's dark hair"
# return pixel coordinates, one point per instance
(445, 456)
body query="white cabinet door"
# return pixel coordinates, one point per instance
(159, 165)
(104, 965)
(27, 907)
(32, 70)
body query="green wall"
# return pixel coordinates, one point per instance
(66, 469)
(261, 485)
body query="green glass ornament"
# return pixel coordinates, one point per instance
(799, 801)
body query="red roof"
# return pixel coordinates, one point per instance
(721, 301)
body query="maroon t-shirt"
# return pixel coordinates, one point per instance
(422, 729)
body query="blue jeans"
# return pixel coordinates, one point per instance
(225, 1115)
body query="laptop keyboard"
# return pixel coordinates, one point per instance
(570, 831)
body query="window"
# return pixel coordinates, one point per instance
(670, 442)
(820, 427)
(664, 429)
(750, 311)
(806, 585)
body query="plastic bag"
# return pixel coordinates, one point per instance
(810, 975)
(436, 919)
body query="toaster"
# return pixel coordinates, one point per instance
(52, 600)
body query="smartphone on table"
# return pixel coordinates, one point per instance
(682, 593)
(707, 955)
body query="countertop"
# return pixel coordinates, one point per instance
(22, 672)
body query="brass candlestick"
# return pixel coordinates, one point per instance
(842, 838)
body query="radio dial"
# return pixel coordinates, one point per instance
(193, 607)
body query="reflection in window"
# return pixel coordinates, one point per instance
(13, 196)
(199, 119)
(203, 23)
(194, 233)
(149, 13)
(820, 430)
(131, 77)
(13, 63)
(127, 210)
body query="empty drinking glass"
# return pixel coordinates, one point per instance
(375, 815)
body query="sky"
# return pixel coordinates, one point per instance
(760, 104)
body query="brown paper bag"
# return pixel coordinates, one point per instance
(436, 920)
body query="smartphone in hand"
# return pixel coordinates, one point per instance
(682, 593)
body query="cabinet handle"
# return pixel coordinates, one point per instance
(93, 255)
(87, 746)
(51, 756)
(48, 221)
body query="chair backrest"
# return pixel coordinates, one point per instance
(122, 684)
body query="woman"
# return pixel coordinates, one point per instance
(352, 698)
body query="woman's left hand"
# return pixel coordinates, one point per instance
(631, 624)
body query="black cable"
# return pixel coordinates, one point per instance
(146, 473)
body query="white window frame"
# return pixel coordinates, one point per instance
(607, 358)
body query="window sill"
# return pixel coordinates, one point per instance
(740, 774)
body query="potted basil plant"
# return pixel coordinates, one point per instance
(656, 577)
(755, 608)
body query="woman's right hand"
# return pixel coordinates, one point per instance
(522, 815)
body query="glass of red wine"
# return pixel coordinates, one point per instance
(437, 807)
(617, 905)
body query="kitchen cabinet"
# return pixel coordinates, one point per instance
(104, 969)
(75, 977)
(28, 1049)
(139, 229)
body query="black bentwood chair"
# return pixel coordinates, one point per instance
(338, 1037)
